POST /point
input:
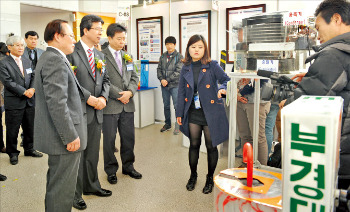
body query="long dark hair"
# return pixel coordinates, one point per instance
(194, 39)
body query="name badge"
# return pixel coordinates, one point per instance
(29, 70)
(197, 103)
(130, 67)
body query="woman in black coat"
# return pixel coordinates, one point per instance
(200, 107)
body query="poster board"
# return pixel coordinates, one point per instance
(234, 18)
(149, 38)
(194, 23)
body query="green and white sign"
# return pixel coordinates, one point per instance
(310, 140)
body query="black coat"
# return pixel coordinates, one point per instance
(213, 107)
(16, 84)
(170, 71)
(329, 75)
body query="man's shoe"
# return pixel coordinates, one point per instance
(33, 153)
(3, 177)
(165, 128)
(209, 184)
(3, 150)
(112, 179)
(101, 193)
(191, 182)
(79, 204)
(14, 160)
(134, 174)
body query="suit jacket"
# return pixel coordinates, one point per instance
(95, 87)
(16, 84)
(60, 112)
(126, 82)
(38, 51)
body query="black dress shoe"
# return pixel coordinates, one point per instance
(209, 184)
(14, 160)
(101, 193)
(3, 177)
(79, 204)
(112, 179)
(33, 153)
(134, 174)
(191, 182)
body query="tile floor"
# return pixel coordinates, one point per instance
(161, 159)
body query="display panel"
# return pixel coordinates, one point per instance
(149, 38)
(191, 24)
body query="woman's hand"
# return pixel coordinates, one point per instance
(221, 92)
(178, 120)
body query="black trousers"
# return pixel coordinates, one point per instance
(87, 174)
(2, 145)
(124, 123)
(13, 120)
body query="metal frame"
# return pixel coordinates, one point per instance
(232, 97)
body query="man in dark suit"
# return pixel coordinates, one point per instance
(60, 121)
(18, 79)
(94, 80)
(31, 52)
(119, 113)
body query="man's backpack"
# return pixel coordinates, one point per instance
(275, 160)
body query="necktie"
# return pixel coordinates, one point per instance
(32, 55)
(119, 63)
(91, 62)
(20, 65)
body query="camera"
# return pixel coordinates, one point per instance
(281, 86)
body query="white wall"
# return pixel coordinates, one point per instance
(218, 42)
(9, 19)
(218, 33)
(38, 21)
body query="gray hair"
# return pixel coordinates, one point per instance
(14, 39)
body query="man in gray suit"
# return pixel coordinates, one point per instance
(31, 52)
(60, 123)
(119, 113)
(94, 80)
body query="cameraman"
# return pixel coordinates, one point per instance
(329, 75)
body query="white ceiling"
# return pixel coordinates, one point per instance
(25, 8)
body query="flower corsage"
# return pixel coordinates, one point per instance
(74, 68)
(100, 65)
(127, 58)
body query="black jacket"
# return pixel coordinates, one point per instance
(170, 71)
(16, 84)
(329, 75)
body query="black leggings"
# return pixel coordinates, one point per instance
(195, 143)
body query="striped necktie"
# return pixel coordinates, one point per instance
(119, 63)
(91, 62)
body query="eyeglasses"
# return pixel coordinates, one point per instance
(17, 45)
(71, 36)
(98, 29)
